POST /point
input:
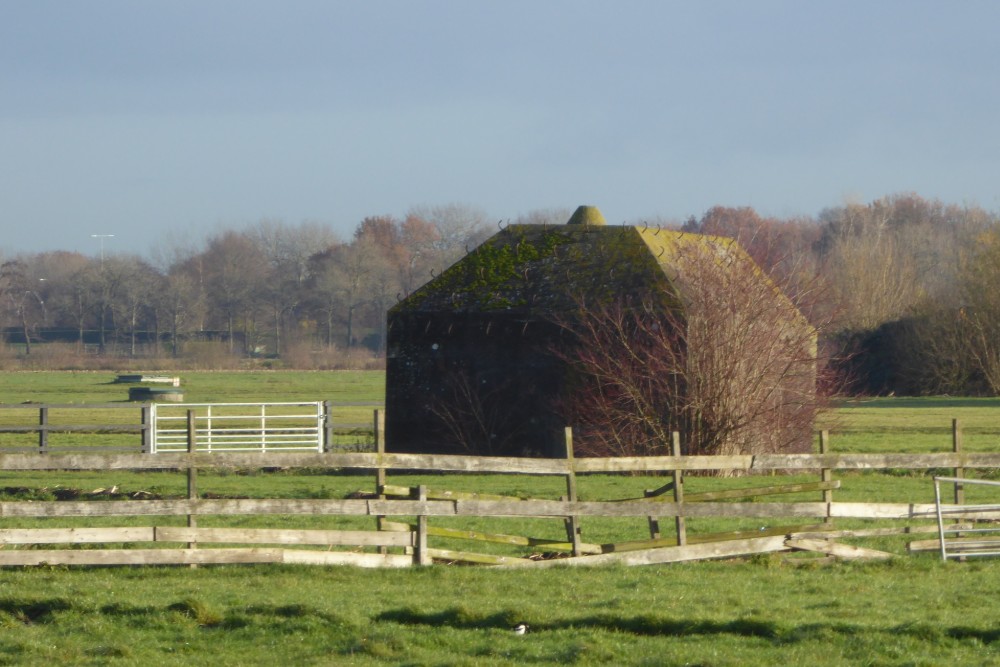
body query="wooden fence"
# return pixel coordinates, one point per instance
(392, 542)
(31, 426)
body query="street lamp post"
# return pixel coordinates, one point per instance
(102, 237)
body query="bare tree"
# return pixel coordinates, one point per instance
(287, 250)
(458, 227)
(235, 270)
(20, 295)
(479, 413)
(139, 285)
(725, 358)
(981, 307)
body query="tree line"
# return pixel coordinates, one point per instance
(905, 286)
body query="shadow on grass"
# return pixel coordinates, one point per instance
(34, 611)
(651, 625)
(637, 625)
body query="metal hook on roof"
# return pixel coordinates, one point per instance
(398, 297)
(662, 250)
(433, 275)
(501, 226)
(658, 230)
(645, 225)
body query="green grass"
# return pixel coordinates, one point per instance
(766, 610)
(761, 612)
(198, 386)
(913, 424)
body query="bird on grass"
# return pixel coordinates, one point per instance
(521, 629)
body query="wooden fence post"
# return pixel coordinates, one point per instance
(675, 446)
(146, 412)
(572, 522)
(959, 472)
(825, 474)
(423, 558)
(192, 471)
(956, 446)
(43, 429)
(327, 426)
(654, 521)
(378, 428)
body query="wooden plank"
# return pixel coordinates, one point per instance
(70, 406)
(876, 461)
(541, 508)
(470, 557)
(283, 536)
(498, 538)
(48, 427)
(408, 491)
(454, 463)
(732, 494)
(304, 557)
(139, 556)
(554, 508)
(663, 463)
(652, 493)
(905, 511)
(837, 549)
(690, 552)
(869, 532)
(75, 535)
(223, 507)
(703, 538)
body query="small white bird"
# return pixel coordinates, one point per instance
(521, 628)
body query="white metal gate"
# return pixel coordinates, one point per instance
(981, 541)
(232, 427)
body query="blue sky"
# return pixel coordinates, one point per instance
(149, 120)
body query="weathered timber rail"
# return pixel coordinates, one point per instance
(45, 426)
(299, 546)
(502, 465)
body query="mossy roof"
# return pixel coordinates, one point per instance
(535, 269)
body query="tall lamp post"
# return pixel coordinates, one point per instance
(102, 237)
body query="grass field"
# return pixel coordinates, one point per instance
(912, 610)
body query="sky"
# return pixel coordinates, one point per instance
(161, 120)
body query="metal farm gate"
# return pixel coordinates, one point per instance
(239, 427)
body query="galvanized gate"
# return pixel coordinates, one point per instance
(239, 427)
(984, 540)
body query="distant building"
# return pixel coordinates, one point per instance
(476, 360)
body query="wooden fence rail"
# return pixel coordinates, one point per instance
(503, 465)
(402, 515)
(413, 538)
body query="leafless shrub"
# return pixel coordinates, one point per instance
(726, 359)
(477, 412)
